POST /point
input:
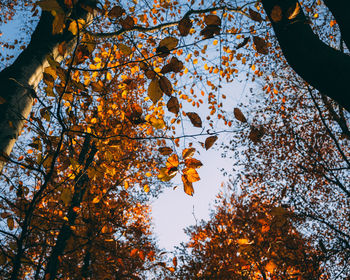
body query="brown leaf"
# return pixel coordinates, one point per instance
(154, 91)
(256, 133)
(212, 20)
(97, 86)
(169, 42)
(188, 187)
(260, 45)
(165, 151)
(184, 26)
(209, 142)
(188, 153)
(276, 14)
(116, 12)
(239, 115)
(195, 119)
(210, 31)
(173, 105)
(165, 85)
(254, 15)
(193, 163)
(175, 65)
(127, 23)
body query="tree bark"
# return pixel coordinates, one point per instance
(19, 80)
(340, 10)
(323, 67)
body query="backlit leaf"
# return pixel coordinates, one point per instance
(173, 161)
(154, 91)
(270, 266)
(188, 187)
(188, 153)
(193, 163)
(191, 174)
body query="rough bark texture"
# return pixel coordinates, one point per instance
(19, 81)
(323, 67)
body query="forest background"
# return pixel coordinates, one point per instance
(115, 87)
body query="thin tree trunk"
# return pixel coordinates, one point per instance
(323, 67)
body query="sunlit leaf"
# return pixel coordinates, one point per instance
(191, 174)
(188, 153)
(193, 163)
(270, 266)
(188, 187)
(173, 161)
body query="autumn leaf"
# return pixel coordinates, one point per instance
(165, 85)
(243, 241)
(173, 105)
(209, 142)
(66, 196)
(50, 5)
(239, 115)
(188, 187)
(256, 133)
(165, 151)
(184, 26)
(175, 262)
(195, 119)
(116, 12)
(97, 86)
(173, 161)
(154, 91)
(256, 16)
(260, 45)
(174, 65)
(191, 174)
(188, 153)
(73, 27)
(293, 11)
(243, 43)
(127, 23)
(210, 31)
(164, 174)
(10, 223)
(193, 163)
(212, 20)
(270, 266)
(276, 13)
(124, 49)
(169, 42)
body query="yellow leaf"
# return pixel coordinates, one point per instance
(66, 196)
(157, 123)
(96, 199)
(10, 223)
(169, 42)
(191, 175)
(154, 91)
(164, 175)
(146, 188)
(73, 27)
(172, 161)
(243, 241)
(124, 49)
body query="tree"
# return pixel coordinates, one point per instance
(248, 241)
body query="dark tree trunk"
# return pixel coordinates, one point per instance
(323, 67)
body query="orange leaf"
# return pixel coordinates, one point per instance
(188, 153)
(191, 175)
(172, 161)
(188, 187)
(270, 266)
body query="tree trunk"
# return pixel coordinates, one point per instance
(19, 81)
(323, 67)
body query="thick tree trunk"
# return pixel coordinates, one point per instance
(340, 10)
(323, 67)
(19, 81)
